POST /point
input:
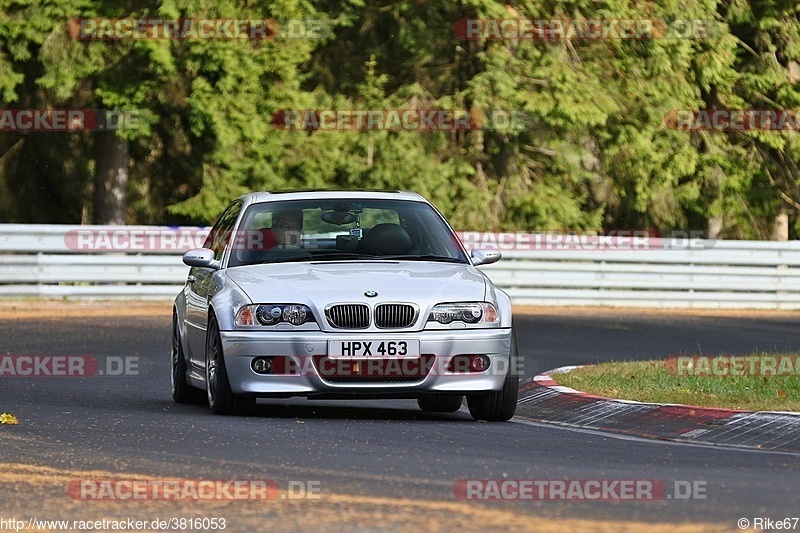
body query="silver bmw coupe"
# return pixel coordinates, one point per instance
(342, 294)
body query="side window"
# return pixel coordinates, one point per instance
(222, 230)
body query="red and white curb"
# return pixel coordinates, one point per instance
(543, 400)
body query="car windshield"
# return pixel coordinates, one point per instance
(343, 230)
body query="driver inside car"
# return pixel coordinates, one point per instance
(284, 234)
(287, 227)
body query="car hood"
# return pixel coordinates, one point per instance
(320, 284)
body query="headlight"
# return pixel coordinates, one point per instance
(272, 314)
(467, 312)
(269, 315)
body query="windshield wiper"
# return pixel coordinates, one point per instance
(340, 256)
(350, 256)
(430, 257)
(295, 259)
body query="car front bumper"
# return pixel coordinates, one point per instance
(307, 349)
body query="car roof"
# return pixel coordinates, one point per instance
(273, 196)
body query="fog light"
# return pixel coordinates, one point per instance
(261, 365)
(479, 363)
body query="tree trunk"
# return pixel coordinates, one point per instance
(714, 229)
(780, 228)
(110, 179)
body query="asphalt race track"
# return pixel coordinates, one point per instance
(390, 449)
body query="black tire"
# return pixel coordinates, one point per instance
(182, 392)
(440, 403)
(501, 405)
(221, 398)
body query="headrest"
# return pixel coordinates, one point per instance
(387, 239)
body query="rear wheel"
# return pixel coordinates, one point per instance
(221, 398)
(501, 405)
(440, 403)
(182, 392)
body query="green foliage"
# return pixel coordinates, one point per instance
(594, 150)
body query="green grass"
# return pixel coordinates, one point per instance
(648, 381)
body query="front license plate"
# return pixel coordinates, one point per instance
(369, 349)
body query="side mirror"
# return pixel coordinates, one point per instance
(485, 256)
(200, 257)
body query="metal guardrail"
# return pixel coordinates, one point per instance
(143, 262)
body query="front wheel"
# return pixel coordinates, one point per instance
(221, 398)
(501, 405)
